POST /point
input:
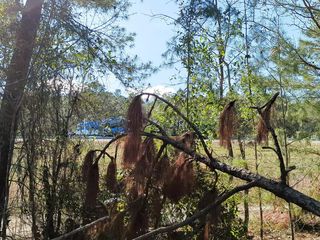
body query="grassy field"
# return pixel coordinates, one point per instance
(305, 156)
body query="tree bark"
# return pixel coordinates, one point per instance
(16, 79)
(278, 188)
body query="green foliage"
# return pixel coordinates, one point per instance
(102, 4)
(99, 104)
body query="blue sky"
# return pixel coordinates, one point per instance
(152, 35)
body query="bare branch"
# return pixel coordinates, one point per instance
(152, 107)
(161, 130)
(277, 149)
(103, 151)
(267, 104)
(309, 9)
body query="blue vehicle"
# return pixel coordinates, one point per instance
(88, 128)
(114, 126)
(108, 127)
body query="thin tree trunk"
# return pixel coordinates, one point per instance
(231, 156)
(246, 192)
(15, 83)
(259, 191)
(284, 105)
(221, 53)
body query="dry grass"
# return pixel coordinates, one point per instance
(305, 178)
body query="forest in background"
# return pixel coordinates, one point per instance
(252, 80)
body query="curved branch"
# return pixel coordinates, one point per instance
(192, 125)
(271, 148)
(312, 15)
(103, 151)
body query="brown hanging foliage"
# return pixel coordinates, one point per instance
(92, 190)
(206, 231)
(138, 224)
(111, 177)
(187, 139)
(147, 154)
(131, 150)
(182, 179)
(227, 123)
(163, 170)
(210, 220)
(132, 189)
(188, 176)
(92, 185)
(135, 122)
(88, 161)
(143, 167)
(135, 116)
(262, 128)
(156, 206)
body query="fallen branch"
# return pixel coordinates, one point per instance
(82, 229)
(278, 188)
(220, 199)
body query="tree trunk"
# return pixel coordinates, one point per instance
(15, 83)
(246, 192)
